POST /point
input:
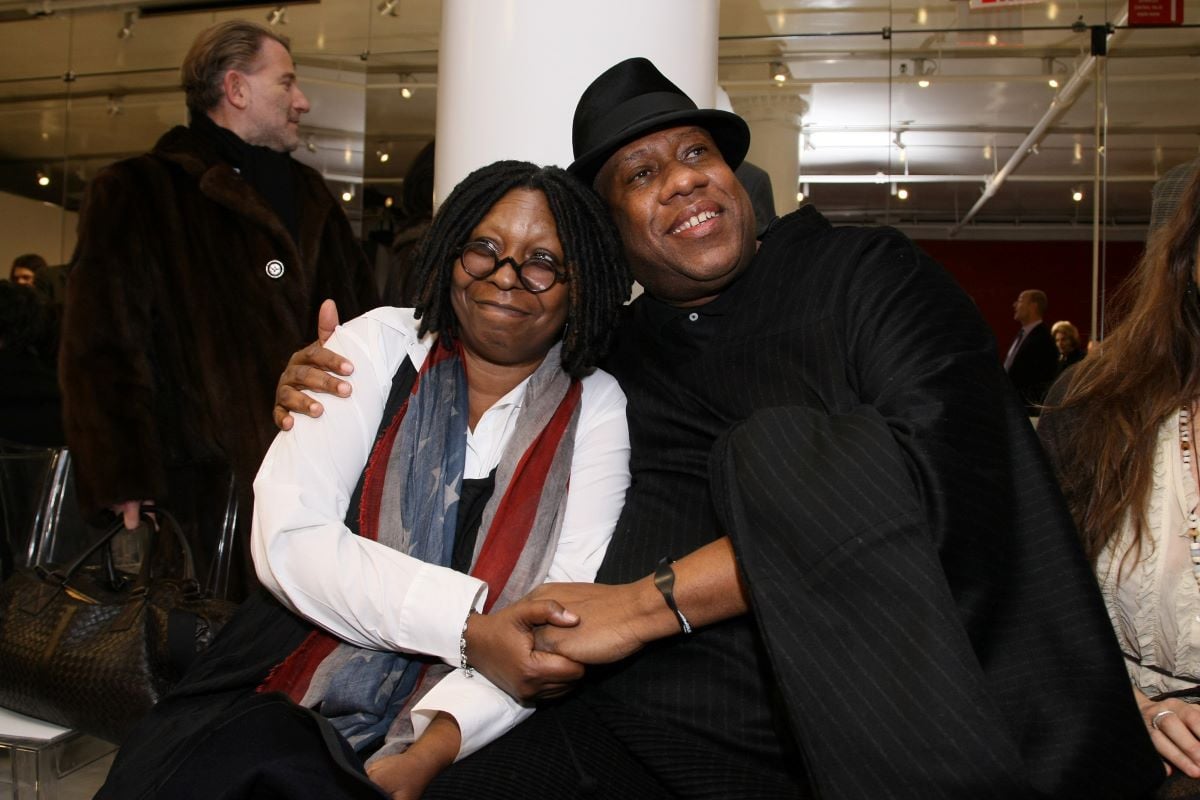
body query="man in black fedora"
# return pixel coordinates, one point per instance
(843, 568)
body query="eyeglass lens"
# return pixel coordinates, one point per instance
(537, 273)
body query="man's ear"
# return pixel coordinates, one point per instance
(237, 91)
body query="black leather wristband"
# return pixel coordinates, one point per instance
(664, 579)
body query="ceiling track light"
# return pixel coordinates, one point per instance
(43, 178)
(388, 8)
(127, 23)
(277, 16)
(1053, 70)
(779, 72)
(1077, 194)
(923, 68)
(407, 79)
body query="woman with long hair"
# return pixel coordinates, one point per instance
(1121, 431)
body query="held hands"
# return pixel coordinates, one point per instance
(614, 621)
(309, 368)
(1174, 727)
(617, 621)
(501, 646)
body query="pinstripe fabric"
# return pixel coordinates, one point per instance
(924, 625)
(920, 598)
(593, 747)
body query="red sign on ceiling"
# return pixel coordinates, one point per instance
(1155, 12)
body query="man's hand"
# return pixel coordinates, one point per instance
(309, 368)
(131, 512)
(613, 620)
(617, 621)
(500, 645)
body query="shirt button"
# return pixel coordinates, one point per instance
(693, 316)
(274, 269)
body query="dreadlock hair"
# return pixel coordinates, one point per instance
(1146, 370)
(598, 281)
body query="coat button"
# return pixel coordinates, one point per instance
(275, 269)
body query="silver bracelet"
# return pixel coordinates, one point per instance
(462, 647)
(664, 579)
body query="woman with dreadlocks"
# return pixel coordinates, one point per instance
(479, 455)
(1121, 432)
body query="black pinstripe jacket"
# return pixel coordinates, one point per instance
(920, 603)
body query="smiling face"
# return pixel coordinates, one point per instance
(500, 321)
(273, 100)
(685, 220)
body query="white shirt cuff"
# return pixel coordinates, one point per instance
(437, 605)
(483, 711)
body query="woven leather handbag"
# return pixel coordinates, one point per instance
(89, 648)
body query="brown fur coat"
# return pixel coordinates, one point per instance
(175, 333)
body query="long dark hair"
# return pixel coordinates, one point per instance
(598, 279)
(1146, 369)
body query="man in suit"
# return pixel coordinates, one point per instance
(876, 590)
(1032, 360)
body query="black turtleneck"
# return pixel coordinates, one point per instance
(269, 172)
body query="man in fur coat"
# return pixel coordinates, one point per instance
(206, 257)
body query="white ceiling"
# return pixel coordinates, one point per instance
(853, 62)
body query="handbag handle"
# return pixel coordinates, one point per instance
(62, 577)
(156, 515)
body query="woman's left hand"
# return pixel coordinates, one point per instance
(1175, 730)
(402, 776)
(405, 775)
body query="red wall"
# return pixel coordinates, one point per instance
(993, 273)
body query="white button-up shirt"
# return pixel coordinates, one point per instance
(376, 597)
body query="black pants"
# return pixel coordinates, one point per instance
(590, 747)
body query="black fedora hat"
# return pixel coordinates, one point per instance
(633, 99)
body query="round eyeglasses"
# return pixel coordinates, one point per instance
(537, 273)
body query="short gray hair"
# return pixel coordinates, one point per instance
(225, 46)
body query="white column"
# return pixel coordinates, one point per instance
(511, 71)
(774, 121)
